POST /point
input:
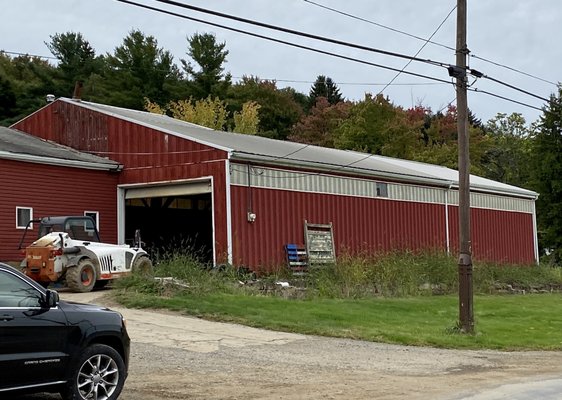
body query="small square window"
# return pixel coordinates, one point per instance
(95, 215)
(24, 215)
(382, 189)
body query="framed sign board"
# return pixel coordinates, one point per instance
(319, 240)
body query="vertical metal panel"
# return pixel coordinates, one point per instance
(359, 223)
(53, 190)
(498, 236)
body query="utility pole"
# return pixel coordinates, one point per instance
(466, 313)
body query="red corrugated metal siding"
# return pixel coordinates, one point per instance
(52, 190)
(499, 236)
(359, 223)
(148, 155)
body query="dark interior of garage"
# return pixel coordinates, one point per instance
(175, 224)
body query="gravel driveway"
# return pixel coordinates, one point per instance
(180, 357)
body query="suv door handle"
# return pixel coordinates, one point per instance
(6, 317)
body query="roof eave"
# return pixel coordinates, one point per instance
(333, 168)
(60, 162)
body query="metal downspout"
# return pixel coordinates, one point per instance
(228, 210)
(535, 233)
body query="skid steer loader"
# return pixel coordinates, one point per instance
(69, 251)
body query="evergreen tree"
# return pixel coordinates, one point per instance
(139, 69)
(207, 77)
(324, 87)
(547, 177)
(77, 59)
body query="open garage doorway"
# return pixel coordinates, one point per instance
(172, 218)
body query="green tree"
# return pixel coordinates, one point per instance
(136, 70)
(206, 77)
(507, 158)
(77, 59)
(324, 87)
(25, 81)
(547, 176)
(278, 110)
(376, 126)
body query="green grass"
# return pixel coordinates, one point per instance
(529, 322)
(403, 298)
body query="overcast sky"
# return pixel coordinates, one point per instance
(524, 35)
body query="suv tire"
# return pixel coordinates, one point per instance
(99, 374)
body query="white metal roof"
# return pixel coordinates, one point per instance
(278, 152)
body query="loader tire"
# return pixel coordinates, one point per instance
(82, 277)
(142, 265)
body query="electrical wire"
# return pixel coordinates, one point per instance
(432, 42)
(504, 98)
(279, 40)
(378, 24)
(300, 33)
(325, 39)
(27, 54)
(419, 51)
(347, 83)
(516, 88)
(306, 47)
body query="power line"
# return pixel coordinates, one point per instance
(378, 24)
(419, 51)
(324, 39)
(504, 98)
(347, 83)
(280, 41)
(299, 33)
(305, 47)
(27, 54)
(516, 88)
(432, 42)
(513, 69)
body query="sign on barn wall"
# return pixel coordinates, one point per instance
(319, 240)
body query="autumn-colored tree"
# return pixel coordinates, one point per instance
(318, 127)
(209, 112)
(247, 121)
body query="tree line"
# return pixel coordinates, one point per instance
(141, 75)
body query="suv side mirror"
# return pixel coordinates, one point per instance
(51, 299)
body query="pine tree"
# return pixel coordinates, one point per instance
(324, 87)
(207, 77)
(547, 177)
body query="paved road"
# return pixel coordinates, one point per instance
(544, 390)
(180, 357)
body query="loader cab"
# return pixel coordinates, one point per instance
(77, 227)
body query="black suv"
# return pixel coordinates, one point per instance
(47, 345)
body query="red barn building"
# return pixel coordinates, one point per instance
(244, 197)
(40, 178)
